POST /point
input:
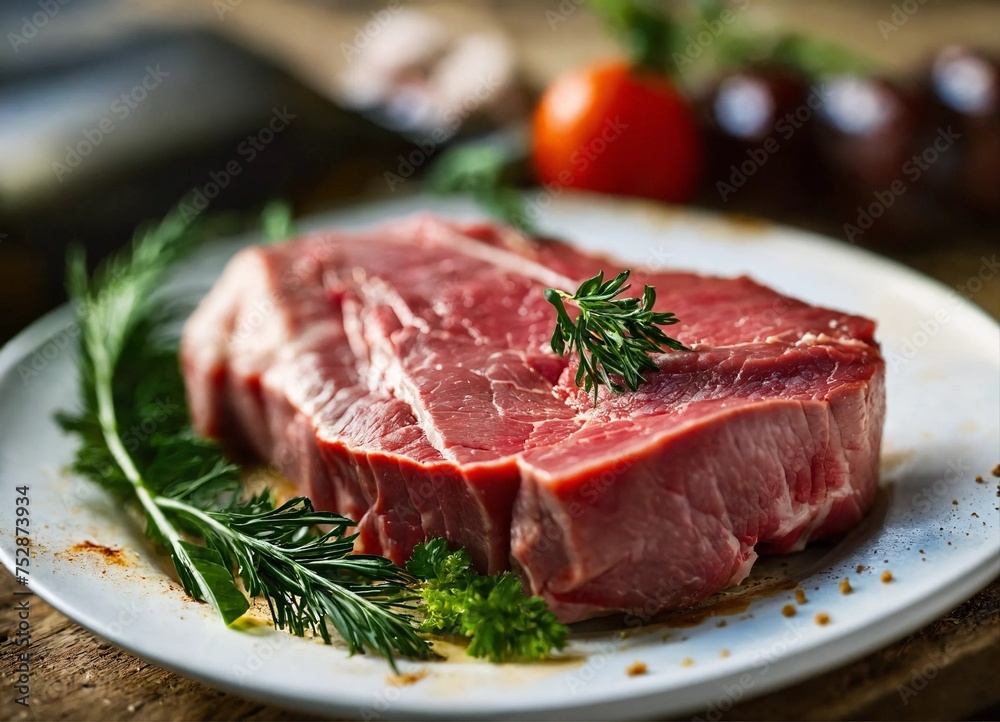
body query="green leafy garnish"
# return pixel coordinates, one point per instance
(276, 221)
(136, 442)
(481, 170)
(188, 491)
(500, 621)
(612, 336)
(310, 578)
(669, 40)
(649, 33)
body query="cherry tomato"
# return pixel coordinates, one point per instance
(611, 128)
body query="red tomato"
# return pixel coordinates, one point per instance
(611, 128)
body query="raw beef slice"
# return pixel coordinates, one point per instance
(403, 377)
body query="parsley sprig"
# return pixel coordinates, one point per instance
(612, 336)
(500, 621)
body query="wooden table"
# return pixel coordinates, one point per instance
(947, 670)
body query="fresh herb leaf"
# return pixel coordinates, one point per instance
(502, 623)
(276, 221)
(438, 567)
(208, 563)
(649, 32)
(819, 58)
(118, 316)
(612, 336)
(662, 40)
(186, 489)
(310, 578)
(481, 170)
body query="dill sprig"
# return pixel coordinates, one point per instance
(185, 487)
(612, 336)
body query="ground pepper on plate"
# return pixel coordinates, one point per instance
(636, 669)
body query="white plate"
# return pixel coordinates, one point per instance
(941, 431)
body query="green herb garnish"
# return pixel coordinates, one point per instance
(190, 494)
(493, 612)
(276, 221)
(668, 40)
(482, 170)
(648, 31)
(187, 490)
(612, 336)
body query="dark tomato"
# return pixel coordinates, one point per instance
(964, 128)
(759, 148)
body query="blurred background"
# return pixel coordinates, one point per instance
(875, 122)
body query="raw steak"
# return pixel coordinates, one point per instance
(402, 376)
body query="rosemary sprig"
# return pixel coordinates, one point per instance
(309, 578)
(187, 490)
(612, 336)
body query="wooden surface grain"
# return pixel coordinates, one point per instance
(947, 670)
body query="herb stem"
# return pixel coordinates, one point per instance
(103, 373)
(262, 547)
